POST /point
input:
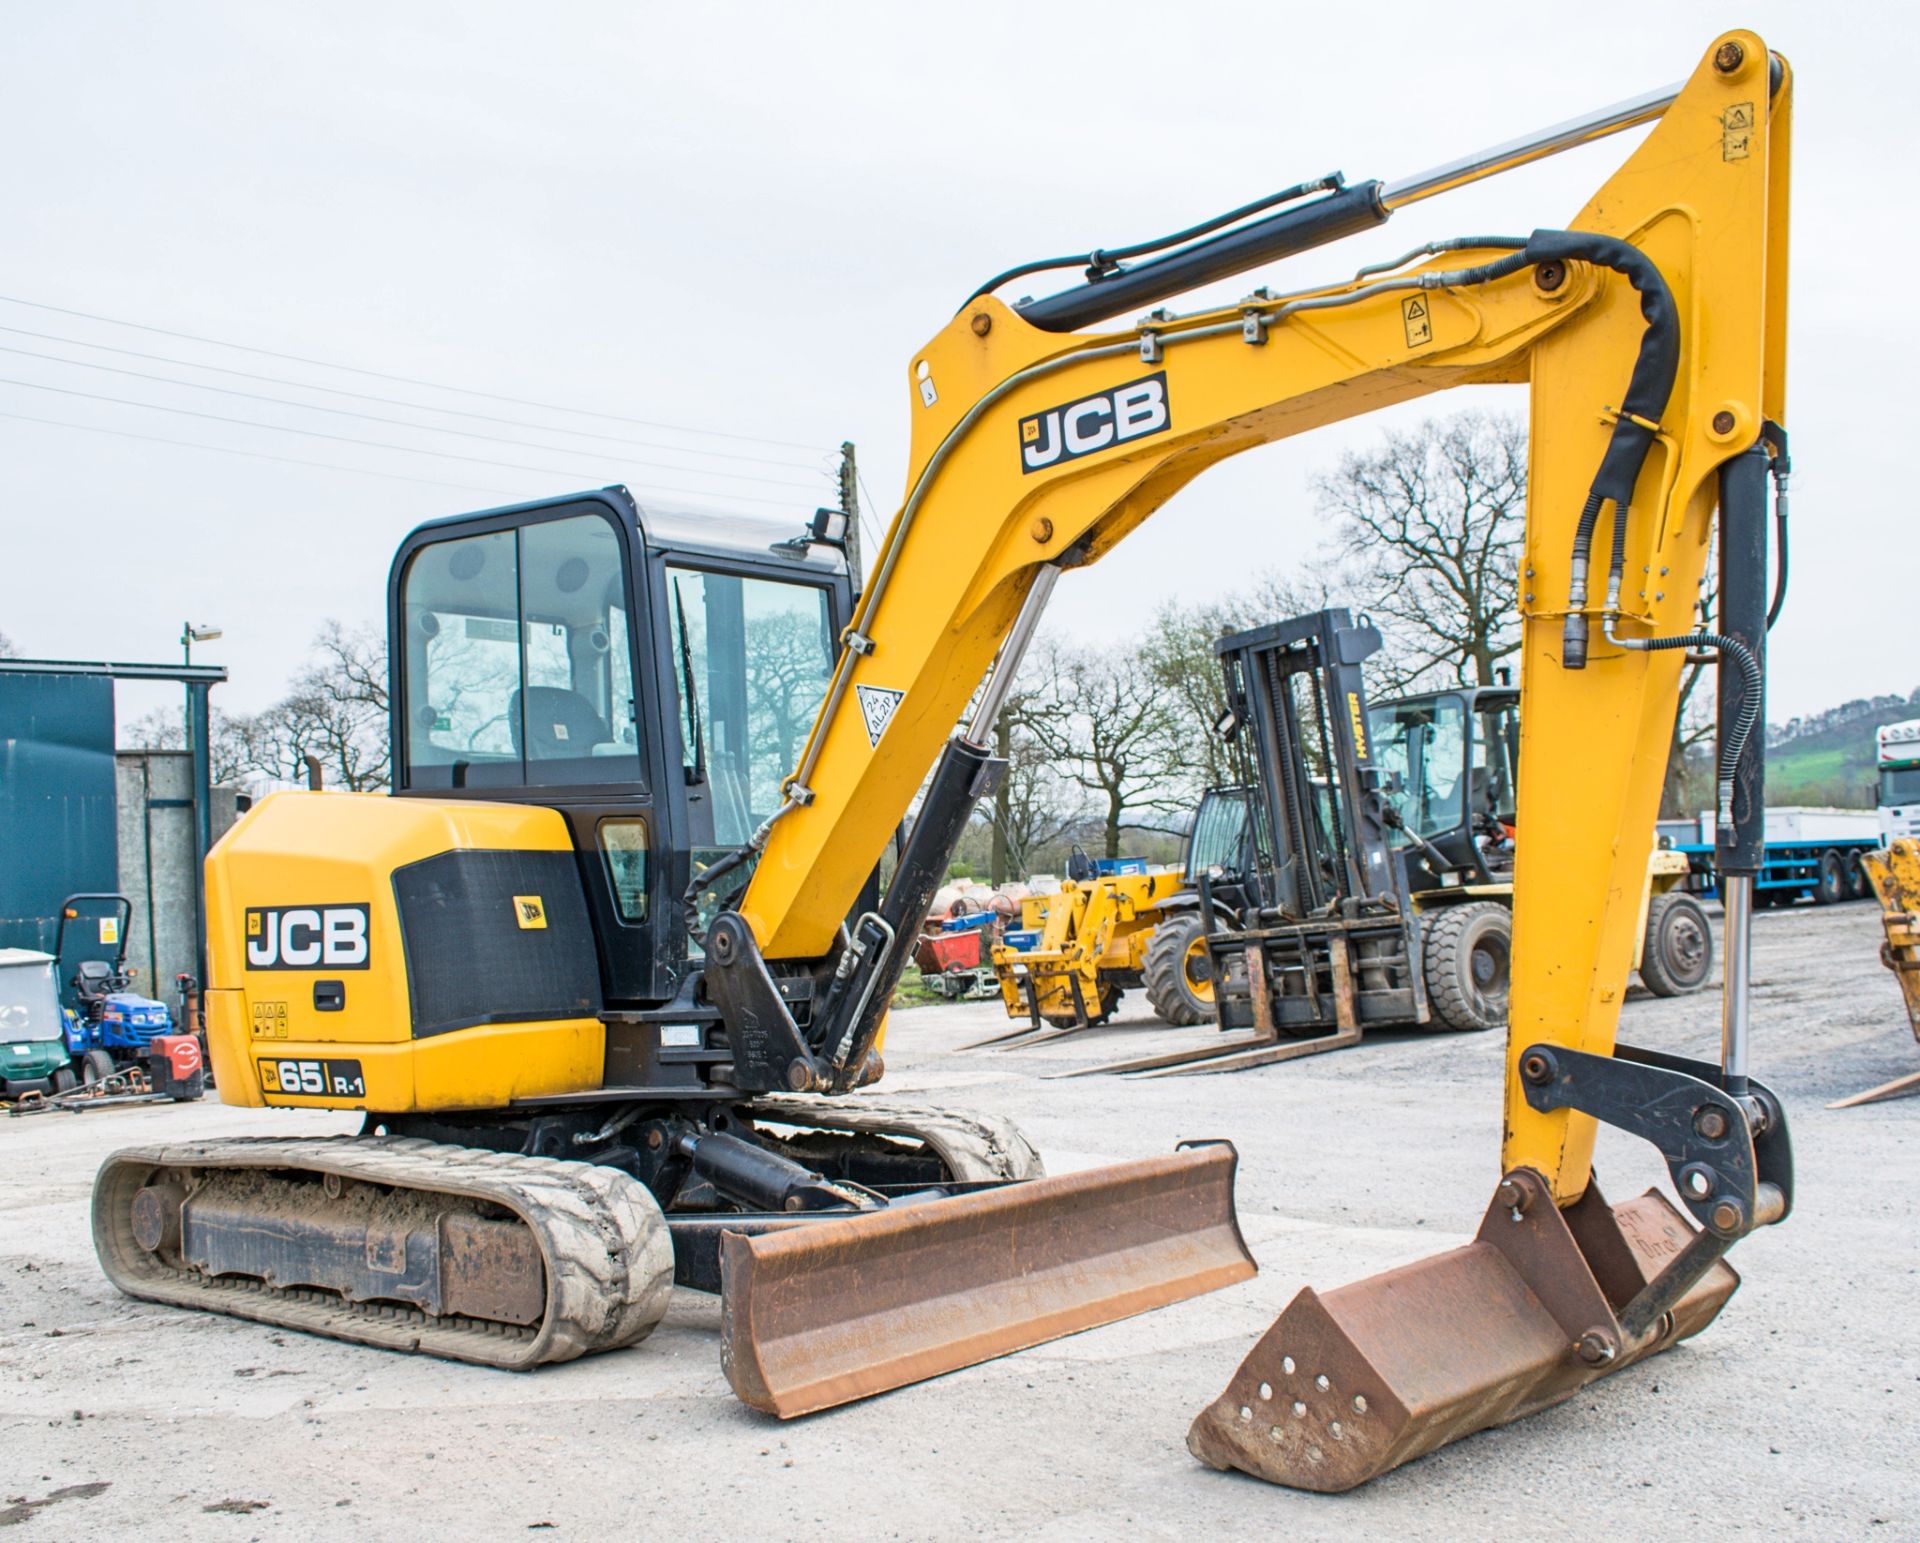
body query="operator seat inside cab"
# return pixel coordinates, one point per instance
(559, 723)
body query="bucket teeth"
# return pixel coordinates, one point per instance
(1348, 1385)
(838, 1310)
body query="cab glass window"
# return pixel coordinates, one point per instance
(518, 667)
(753, 657)
(1219, 832)
(623, 843)
(1420, 748)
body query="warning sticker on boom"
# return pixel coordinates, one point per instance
(877, 707)
(1414, 312)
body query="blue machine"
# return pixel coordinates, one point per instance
(108, 1025)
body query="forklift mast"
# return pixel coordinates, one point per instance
(1299, 719)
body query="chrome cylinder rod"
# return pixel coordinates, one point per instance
(1491, 162)
(1006, 664)
(1736, 891)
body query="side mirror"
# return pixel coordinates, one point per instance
(829, 527)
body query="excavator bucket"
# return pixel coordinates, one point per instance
(1348, 1385)
(833, 1311)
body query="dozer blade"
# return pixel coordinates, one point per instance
(1348, 1385)
(837, 1310)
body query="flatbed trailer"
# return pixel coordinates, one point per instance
(1809, 854)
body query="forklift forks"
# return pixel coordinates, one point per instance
(1264, 1044)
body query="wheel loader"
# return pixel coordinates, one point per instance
(605, 968)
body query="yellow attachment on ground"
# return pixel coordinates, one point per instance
(310, 1001)
(1895, 876)
(1093, 945)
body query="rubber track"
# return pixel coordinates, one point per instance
(608, 1255)
(973, 1146)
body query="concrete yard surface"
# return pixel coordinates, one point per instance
(1795, 1414)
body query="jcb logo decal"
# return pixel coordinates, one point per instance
(1114, 417)
(530, 913)
(307, 937)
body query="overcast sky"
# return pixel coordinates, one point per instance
(744, 219)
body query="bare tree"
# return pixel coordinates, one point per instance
(1036, 804)
(230, 740)
(7, 650)
(1431, 528)
(1105, 724)
(337, 711)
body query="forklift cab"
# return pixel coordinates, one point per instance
(650, 674)
(1449, 763)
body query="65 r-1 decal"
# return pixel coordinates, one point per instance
(1113, 417)
(302, 1078)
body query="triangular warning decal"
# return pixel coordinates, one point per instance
(877, 706)
(1415, 310)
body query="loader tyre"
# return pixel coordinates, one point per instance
(1179, 971)
(1677, 955)
(1830, 885)
(1469, 964)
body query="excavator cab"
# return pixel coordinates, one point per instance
(647, 674)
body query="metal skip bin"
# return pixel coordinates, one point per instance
(833, 1311)
(1352, 1383)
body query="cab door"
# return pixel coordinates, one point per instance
(518, 640)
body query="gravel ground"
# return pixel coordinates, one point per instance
(1795, 1414)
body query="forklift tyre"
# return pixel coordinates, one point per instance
(1677, 956)
(1178, 971)
(1469, 964)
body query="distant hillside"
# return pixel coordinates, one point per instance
(1827, 758)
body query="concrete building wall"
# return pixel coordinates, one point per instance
(157, 863)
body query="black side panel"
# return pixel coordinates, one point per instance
(469, 958)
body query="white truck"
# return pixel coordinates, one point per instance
(1897, 795)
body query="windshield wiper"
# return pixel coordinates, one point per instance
(697, 772)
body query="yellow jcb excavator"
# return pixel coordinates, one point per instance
(603, 970)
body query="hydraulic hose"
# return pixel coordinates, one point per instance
(1649, 390)
(1782, 468)
(1750, 691)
